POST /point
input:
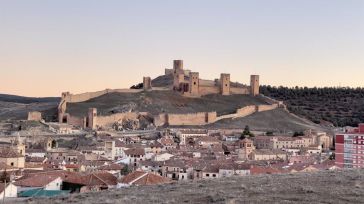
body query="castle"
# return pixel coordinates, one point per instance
(184, 82)
(189, 83)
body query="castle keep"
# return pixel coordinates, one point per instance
(182, 81)
(189, 84)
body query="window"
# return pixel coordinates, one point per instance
(207, 175)
(12, 164)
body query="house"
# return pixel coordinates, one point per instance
(151, 166)
(10, 190)
(163, 157)
(96, 181)
(39, 181)
(12, 158)
(135, 155)
(210, 171)
(268, 154)
(141, 178)
(74, 167)
(114, 169)
(35, 153)
(168, 142)
(233, 169)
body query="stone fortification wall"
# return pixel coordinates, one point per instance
(76, 121)
(201, 118)
(204, 90)
(160, 120)
(75, 98)
(245, 111)
(204, 82)
(191, 118)
(240, 90)
(35, 116)
(272, 101)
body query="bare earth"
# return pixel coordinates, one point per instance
(322, 187)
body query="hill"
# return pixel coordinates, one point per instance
(321, 187)
(339, 106)
(17, 107)
(156, 102)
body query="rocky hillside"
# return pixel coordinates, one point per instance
(322, 187)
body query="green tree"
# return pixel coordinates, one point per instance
(125, 170)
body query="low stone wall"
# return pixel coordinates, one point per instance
(262, 108)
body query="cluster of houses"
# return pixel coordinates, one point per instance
(175, 155)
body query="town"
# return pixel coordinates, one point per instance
(126, 141)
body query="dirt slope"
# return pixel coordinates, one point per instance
(322, 187)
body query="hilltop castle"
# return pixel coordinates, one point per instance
(182, 81)
(189, 84)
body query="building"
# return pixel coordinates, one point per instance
(12, 158)
(349, 148)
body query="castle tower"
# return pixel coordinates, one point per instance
(177, 67)
(92, 116)
(147, 83)
(225, 84)
(177, 80)
(254, 85)
(194, 84)
(178, 73)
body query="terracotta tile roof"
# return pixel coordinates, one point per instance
(36, 180)
(36, 159)
(144, 178)
(135, 151)
(112, 167)
(166, 141)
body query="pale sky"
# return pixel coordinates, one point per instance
(47, 47)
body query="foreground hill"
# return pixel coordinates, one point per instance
(321, 187)
(156, 102)
(17, 107)
(339, 106)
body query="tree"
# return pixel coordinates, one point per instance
(296, 134)
(246, 133)
(125, 170)
(5, 177)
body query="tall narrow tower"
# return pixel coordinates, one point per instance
(225, 84)
(177, 66)
(92, 116)
(147, 83)
(178, 73)
(194, 83)
(254, 85)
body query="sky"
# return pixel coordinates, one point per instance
(48, 47)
